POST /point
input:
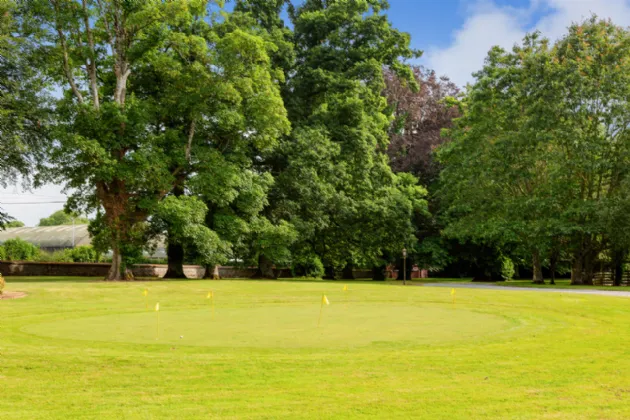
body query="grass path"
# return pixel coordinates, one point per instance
(86, 349)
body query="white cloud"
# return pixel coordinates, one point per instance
(42, 202)
(488, 25)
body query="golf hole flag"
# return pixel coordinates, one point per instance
(345, 288)
(453, 295)
(157, 307)
(145, 292)
(209, 296)
(321, 308)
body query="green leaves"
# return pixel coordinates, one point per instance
(537, 156)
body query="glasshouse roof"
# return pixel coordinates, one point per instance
(49, 236)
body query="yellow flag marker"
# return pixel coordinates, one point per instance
(210, 296)
(157, 329)
(145, 293)
(321, 308)
(453, 295)
(345, 287)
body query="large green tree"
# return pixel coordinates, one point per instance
(152, 91)
(61, 217)
(241, 116)
(22, 114)
(539, 159)
(333, 180)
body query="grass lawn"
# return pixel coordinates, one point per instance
(81, 348)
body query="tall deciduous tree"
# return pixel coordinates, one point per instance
(22, 114)
(420, 116)
(242, 117)
(62, 217)
(151, 90)
(540, 156)
(334, 183)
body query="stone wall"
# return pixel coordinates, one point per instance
(23, 268)
(28, 268)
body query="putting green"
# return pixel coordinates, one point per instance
(283, 326)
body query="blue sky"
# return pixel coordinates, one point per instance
(455, 35)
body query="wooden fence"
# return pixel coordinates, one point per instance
(607, 278)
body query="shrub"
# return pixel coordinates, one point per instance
(3, 253)
(19, 250)
(507, 269)
(78, 254)
(309, 266)
(84, 253)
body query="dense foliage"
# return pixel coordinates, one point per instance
(19, 250)
(236, 136)
(22, 106)
(538, 162)
(62, 217)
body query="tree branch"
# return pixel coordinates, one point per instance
(66, 59)
(91, 65)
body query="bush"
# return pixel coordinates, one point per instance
(3, 253)
(309, 266)
(84, 253)
(19, 250)
(507, 269)
(79, 254)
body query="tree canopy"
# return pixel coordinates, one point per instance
(538, 160)
(62, 217)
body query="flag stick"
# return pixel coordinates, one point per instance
(321, 309)
(212, 298)
(157, 325)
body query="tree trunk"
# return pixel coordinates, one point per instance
(618, 260)
(537, 265)
(212, 272)
(330, 273)
(378, 273)
(115, 270)
(589, 269)
(576, 271)
(175, 253)
(553, 262)
(348, 273)
(618, 274)
(265, 268)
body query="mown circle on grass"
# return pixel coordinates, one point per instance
(12, 295)
(283, 326)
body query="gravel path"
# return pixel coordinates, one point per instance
(528, 289)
